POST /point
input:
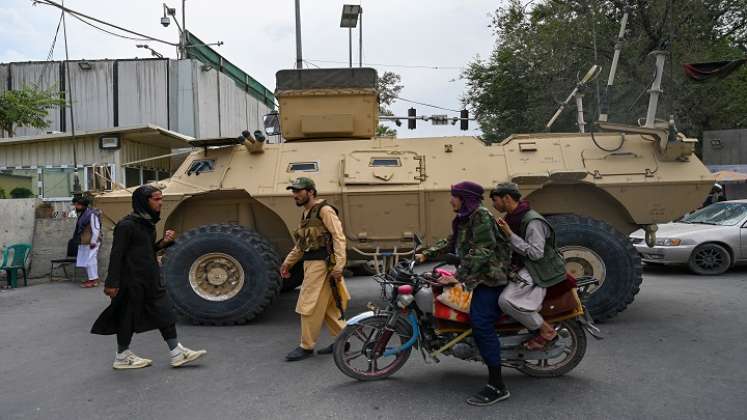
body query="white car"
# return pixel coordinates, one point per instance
(710, 240)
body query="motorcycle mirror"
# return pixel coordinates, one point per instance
(452, 259)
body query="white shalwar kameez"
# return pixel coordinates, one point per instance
(88, 257)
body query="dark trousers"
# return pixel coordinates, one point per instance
(124, 335)
(484, 312)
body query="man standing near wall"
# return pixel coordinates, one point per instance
(88, 237)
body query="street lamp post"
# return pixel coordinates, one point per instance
(299, 55)
(350, 15)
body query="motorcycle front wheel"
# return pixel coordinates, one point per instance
(573, 338)
(359, 348)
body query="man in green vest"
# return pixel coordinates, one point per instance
(536, 260)
(320, 245)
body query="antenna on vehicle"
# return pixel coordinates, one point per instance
(605, 105)
(578, 94)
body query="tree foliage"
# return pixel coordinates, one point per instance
(389, 86)
(27, 107)
(21, 192)
(543, 48)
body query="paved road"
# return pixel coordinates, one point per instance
(677, 353)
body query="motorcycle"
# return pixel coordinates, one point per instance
(377, 343)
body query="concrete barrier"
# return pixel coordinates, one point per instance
(17, 220)
(50, 242)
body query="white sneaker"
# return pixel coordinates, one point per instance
(182, 355)
(129, 360)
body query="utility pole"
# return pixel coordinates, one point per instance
(183, 38)
(360, 39)
(350, 47)
(299, 55)
(77, 190)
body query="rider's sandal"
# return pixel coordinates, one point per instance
(488, 396)
(541, 341)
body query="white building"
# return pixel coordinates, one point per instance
(171, 100)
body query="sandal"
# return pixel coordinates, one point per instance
(538, 342)
(488, 396)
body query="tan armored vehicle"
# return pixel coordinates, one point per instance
(229, 203)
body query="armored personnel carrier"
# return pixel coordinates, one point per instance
(229, 204)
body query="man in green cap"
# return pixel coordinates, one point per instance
(536, 260)
(320, 244)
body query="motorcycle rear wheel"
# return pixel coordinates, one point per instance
(354, 347)
(571, 357)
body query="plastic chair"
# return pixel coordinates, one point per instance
(20, 254)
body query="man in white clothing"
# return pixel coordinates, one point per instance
(88, 236)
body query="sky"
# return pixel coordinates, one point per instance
(408, 37)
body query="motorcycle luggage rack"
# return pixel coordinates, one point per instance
(388, 258)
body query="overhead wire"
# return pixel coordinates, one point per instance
(428, 105)
(131, 38)
(82, 15)
(54, 40)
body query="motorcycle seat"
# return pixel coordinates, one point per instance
(554, 309)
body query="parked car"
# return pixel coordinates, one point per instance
(710, 240)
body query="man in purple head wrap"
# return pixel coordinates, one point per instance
(484, 255)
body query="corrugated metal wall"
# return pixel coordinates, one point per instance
(181, 98)
(132, 151)
(54, 153)
(725, 147)
(181, 95)
(232, 108)
(92, 94)
(143, 92)
(40, 76)
(205, 85)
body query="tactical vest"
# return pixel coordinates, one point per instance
(550, 269)
(312, 237)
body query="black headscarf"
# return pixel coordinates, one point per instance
(140, 207)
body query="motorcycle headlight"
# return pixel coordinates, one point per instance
(404, 301)
(668, 242)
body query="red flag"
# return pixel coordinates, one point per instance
(700, 72)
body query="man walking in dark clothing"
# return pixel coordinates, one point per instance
(138, 299)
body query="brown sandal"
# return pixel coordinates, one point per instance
(538, 342)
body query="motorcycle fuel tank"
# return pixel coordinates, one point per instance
(424, 299)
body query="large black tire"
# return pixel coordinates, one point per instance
(255, 258)
(295, 279)
(623, 271)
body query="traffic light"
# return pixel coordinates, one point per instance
(411, 118)
(464, 122)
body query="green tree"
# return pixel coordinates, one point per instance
(27, 107)
(544, 47)
(389, 87)
(21, 192)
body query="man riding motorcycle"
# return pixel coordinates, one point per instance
(536, 260)
(484, 254)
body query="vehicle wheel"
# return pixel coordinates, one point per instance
(221, 274)
(710, 260)
(594, 248)
(295, 279)
(355, 346)
(573, 337)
